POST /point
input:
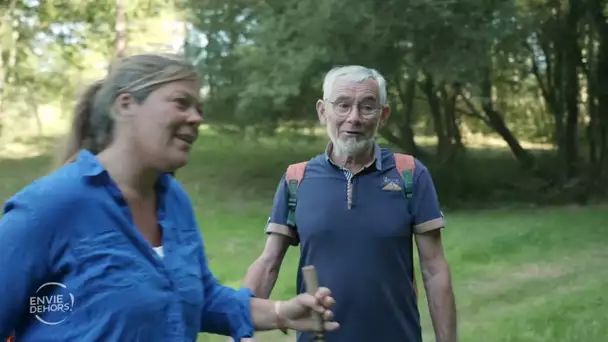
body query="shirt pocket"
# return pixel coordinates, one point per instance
(391, 213)
(108, 261)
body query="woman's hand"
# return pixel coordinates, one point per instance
(297, 311)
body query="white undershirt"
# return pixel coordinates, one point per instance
(159, 251)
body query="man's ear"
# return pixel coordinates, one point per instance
(321, 112)
(386, 113)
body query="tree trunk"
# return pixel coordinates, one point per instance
(434, 102)
(571, 87)
(599, 22)
(592, 129)
(497, 123)
(405, 134)
(121, 29)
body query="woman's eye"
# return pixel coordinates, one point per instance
(182, 104)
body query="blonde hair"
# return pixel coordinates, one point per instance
(93, 120)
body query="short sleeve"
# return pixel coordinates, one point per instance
(426, 210)
(277, 222)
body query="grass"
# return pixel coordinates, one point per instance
(535, 274)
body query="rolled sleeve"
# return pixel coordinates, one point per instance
(226, 311)
(427, 214)
(277, 222)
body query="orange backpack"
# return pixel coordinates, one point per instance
(404, 163)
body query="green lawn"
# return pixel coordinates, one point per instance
(519, 275)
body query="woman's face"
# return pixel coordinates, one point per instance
(165, 125)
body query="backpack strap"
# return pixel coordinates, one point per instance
(406, 166)
(293, 177)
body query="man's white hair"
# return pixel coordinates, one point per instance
(354, 73)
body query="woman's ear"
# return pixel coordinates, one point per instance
(124, 105)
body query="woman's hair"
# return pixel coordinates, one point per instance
(92, 125)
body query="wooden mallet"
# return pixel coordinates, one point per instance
(312, 286)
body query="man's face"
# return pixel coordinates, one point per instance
(352, 115)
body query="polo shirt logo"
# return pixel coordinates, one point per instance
(392, 186)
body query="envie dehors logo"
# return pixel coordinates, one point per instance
(52, 303)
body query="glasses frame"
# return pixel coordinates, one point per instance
(359, 111)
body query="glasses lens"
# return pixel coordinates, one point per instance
(342, 107)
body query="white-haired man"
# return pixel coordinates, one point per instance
(355, 211)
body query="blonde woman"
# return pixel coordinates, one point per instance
(107, 248)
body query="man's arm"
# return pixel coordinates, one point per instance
(428, 222)
(263, 273)
(438, 285)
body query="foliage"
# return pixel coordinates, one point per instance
(49, 49)
(520, 70)
(502, 67)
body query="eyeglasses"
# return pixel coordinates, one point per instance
(366, 109)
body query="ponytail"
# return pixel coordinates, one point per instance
(79, 135)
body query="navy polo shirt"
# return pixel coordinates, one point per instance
(357, 230)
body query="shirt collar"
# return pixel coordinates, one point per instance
(89, 164)
(377, 161)
(91, 167)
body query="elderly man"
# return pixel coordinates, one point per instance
(354, 211)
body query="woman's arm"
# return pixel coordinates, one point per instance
(226, 311)
(263, 315)
(236, 313)
(27, 231)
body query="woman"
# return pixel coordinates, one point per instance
(107, 248)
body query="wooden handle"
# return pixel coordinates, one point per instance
(312, 286)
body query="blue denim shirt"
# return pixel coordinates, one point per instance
(73, 267)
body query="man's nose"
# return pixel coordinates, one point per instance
(354, 116)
